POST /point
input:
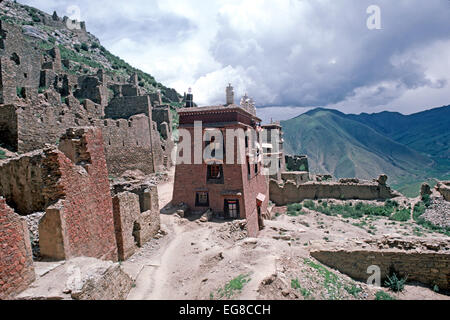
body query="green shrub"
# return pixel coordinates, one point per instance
(2, 154)
(353, 290)
(310, 204)
(42, 89)
(391, 203)
(295, 284)
(381, 295)
(395, 283)
(401, 215)
(84, 47)
(235, 285)
(419, 210)
(20, 92)
(426, 199)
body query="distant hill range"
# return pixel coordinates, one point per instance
(410, 149)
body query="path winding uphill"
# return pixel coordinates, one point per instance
(195, 259)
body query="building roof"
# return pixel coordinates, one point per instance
(219, 108)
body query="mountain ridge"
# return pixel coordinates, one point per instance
(364, 146)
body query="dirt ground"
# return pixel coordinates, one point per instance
(214, 260)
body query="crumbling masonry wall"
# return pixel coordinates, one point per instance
(297, 163)
(71, 185)
(8, 126)
(85, 213)
(126, 212)
(430, 268)
(16, 262)
(290, 192)
(135, 223)
(30, 125)
(19, 63)
(444, 189)
(128, 144)
(126, 107)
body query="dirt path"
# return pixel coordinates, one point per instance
(198, 260)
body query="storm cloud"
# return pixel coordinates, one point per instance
(284, 53)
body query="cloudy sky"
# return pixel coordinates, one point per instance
(290, 55)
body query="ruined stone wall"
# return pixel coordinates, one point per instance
(135, 222)
(430, 268)
(8, 126)
(126, 107)
(297, 177)
(72, 188)
(161, 115)
(25, 183)
(30, 124)
(289, 192)
(297, 163)
(20, 64)
(128, 144)
(84, 215)
(126, 212)
(16, 262)
(90, 87)
(444, 189)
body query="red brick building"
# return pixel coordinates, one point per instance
(233, 186)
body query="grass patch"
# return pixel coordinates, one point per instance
(401, 215)
(395, 283)
(295, 284)
(234, 286)
(331, 281)
(381, 295)
(294, 210)
(2, 155)
(353, 290)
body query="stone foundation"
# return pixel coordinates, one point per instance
(424, 261)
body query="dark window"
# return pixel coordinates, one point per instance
(215, 174)
(249, 172)
(232, 209)
(202, 199)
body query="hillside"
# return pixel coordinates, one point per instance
(426, 132)
(82, 50)
(409, 149)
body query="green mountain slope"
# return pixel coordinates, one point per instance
(345, 146)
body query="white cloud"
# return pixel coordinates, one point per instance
(283, 53)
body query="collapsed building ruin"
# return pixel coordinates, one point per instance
(39, 100)
(83, 216)
(295, 191)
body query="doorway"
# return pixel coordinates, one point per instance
(231, 209)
